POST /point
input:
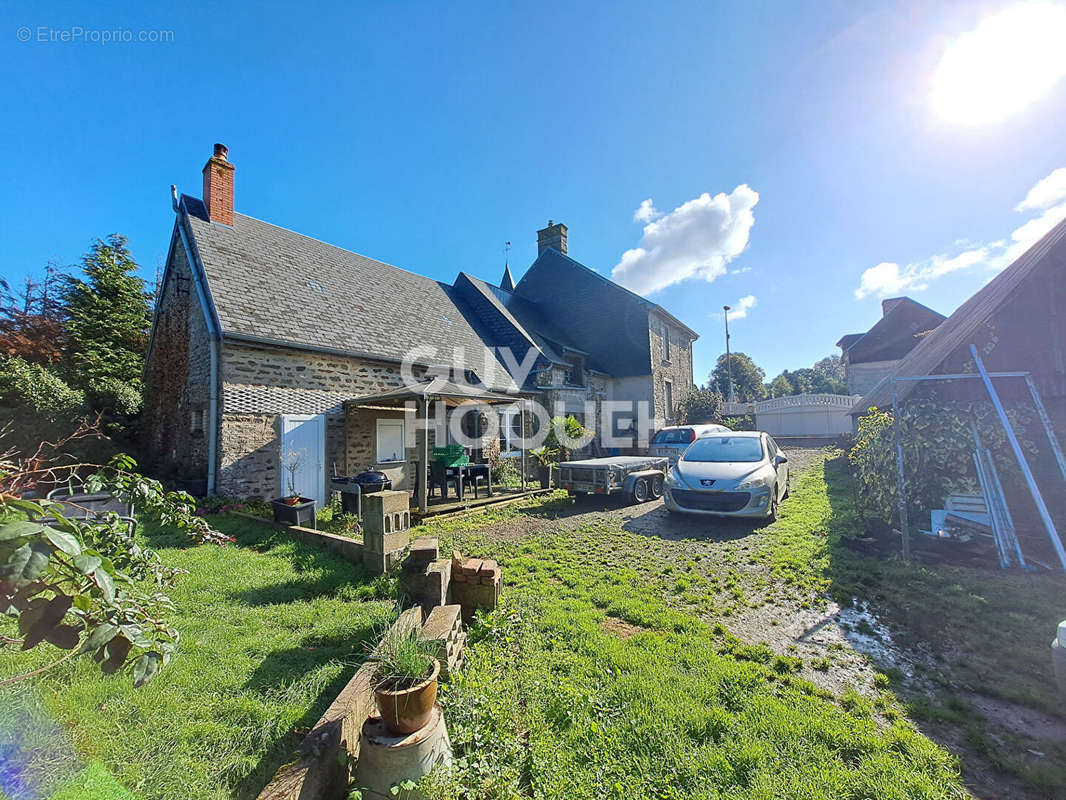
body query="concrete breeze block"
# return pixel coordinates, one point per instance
(424, 550)
(385, 542)
(386, 512)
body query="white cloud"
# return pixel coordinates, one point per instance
(739, 270)
(882, 280)
(647, 212)
(739, 309)
(1046, 193)
(888, 278)
(697, 239)
(742, 307)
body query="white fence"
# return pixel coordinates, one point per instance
(800, 415)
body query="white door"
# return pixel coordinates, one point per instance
(303, 455)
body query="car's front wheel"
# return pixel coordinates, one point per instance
(771, 513)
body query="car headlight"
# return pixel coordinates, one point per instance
(672, 480)
(752, 484)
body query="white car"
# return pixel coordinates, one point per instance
(734, 474)
(671, 442)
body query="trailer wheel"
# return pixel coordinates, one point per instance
(656, 487)
(640, 491)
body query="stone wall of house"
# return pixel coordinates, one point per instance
(260, 383)
(361, 448)
(677, 369)
(177, 378)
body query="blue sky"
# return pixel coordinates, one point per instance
(428, 134)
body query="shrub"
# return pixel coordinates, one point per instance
(505, 471)
(116, 397)
(33, 387)
(701, 406)
(938, 446)
(873, 459)
(744, 423)
(566, 434)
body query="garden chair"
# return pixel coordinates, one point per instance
(475, 477)
(79, 505)
(439, 476)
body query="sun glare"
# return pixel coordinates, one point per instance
(1009, 61)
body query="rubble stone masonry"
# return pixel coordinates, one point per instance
(677, 369)
(259, 383)
(178, 378)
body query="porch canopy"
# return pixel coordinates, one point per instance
(453, 395)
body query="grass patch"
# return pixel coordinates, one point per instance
(551, 703)
(271, 630)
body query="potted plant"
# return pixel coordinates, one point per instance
(405, 681)
(292, 509)
(545, 457)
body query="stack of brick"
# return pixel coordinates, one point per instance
(425, 578)
(443, 629)
(476, 583)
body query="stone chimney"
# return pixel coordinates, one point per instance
(218, 186)
(553, 236)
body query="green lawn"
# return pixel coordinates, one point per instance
(271, 630)
(612, 669)
(559, 698)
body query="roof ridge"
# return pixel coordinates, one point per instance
(649, 304)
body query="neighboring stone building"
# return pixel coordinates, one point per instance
(261, 335)
(869, 357)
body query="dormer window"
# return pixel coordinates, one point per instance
(574, 374)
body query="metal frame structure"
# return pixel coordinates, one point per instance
(986, 378)
(454, 396)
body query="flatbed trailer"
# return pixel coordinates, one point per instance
(640, 478)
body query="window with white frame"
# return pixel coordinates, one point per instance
(390, 445)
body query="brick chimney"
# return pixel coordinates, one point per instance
(218, 186)
(553, 236)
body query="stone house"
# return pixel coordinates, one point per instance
(261, 335)
(869, 357)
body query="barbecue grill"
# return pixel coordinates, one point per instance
(352, 487)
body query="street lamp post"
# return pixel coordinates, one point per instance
(728, 360)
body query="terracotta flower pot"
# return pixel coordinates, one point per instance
(408, 710)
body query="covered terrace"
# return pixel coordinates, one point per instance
(378, 427)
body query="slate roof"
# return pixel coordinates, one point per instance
(959, 329)
(271, 284)
(610, 321)
(895, 334)
(848, 339)
(524, 321)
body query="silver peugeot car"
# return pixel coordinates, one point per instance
(735, 474)
(672, 441)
